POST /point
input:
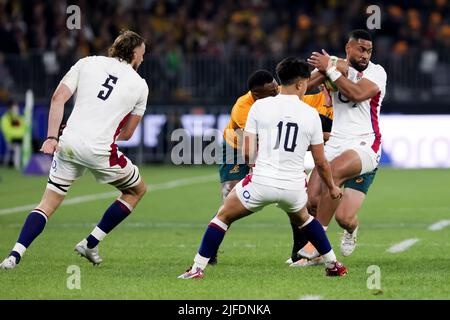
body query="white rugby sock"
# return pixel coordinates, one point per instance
(200, 262)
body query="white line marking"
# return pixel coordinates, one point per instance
(439, 225)
(402, 246)
(310, 297)
(99, 196)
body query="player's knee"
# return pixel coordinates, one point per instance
(222, 216)
(225, 215)
(312, 204)
(59, 185)
(142, 190)
(343, 220)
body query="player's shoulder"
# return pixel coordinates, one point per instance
(260, 103)
(306, 107)
(245, 100)
(376, 68)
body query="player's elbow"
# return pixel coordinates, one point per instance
(357, 96)
(57, 97)
(61, 94)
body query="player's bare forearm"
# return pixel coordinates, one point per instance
(316, 79)
(61, 95)
(324, 170)
(322, 165)
(128, 130)
(356, 92)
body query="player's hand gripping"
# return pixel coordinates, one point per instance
(336, 193)
(49, 146)
(320, 61)
(323, 61)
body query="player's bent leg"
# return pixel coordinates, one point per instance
(347, 217)
(316, 235)
(347, 212)
(346, 166)
(34, 225)
(133, 189)
(226, 188)
(133, 195)
(230, 211)
(313, 191)
(300, 251)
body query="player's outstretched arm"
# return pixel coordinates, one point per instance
(127, 131)
(324, 170)
(61, 95)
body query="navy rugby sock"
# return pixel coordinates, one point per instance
(32, 228)
(115, 214)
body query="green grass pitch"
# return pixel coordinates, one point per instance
(144, 255)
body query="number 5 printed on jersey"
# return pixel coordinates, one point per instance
(103, 94)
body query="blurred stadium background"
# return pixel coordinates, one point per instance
(200, 54)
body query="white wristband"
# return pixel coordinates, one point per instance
(333, 74)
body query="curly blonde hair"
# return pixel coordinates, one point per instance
(124, 45)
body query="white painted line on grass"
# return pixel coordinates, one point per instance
(439, 225)
(99, 196)
(402, 246)
(310, 297)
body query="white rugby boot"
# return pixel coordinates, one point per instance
(9, 263)
(90, 254)
(348, 242)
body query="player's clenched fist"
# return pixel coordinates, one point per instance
(49, 146)
(336, 193)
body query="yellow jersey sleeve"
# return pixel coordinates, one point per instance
(239, 115)
(240, 110)
(318, 102)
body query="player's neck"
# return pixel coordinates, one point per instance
(290, 90)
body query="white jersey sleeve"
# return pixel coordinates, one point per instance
(317, 134)
(139, 108)
(378, 76)
(72, 76)
(251, 125)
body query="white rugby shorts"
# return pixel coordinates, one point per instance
(369, 152)
(255, 196)
(72, 160)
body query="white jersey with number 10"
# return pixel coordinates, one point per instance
(286, 127)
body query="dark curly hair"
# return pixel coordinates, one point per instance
(124, 45)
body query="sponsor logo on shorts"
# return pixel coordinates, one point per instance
(363, 143)
(235, 169)
(359, 180)
(54, 165)
(246, 194)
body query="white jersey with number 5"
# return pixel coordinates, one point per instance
(286, 127)
(106, 92)
(360, 119)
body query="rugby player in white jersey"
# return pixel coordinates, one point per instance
(278, 132)
(354, 147)
(110, 99)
